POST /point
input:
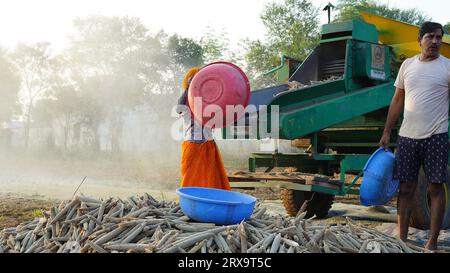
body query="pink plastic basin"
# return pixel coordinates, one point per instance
(217, 85)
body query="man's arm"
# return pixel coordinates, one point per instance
(395, 109)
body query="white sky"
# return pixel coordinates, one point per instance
(51, 20)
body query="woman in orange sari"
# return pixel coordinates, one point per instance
(201, 163)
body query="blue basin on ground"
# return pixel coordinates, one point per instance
(221, 207)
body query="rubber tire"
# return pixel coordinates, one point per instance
(319, 205)
(420, 215)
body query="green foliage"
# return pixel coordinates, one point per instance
(36, 213)
(292, 29)
(9, 88)
(182, 54)
(216, 45)
(447, 28)
(350, 9)
(260, 57)
(185, 52)
(292, 26)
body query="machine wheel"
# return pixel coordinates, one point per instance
(319, 205)
(420, 215)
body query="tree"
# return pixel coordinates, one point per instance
(292, 29)
(33, 63)
(292, 26)
(116, 62)
(63, 103)
(63, 109)
(350, 9)
(184, 53)
(260, 57)
(181, 54)
(447, 28)
(9, 88)
(215, 45)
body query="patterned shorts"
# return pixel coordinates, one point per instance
(431, 153)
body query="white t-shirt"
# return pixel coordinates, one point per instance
(426, 86)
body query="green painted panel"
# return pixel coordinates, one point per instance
(354, 137)
(358, 29)
(371, 61)
(285, 185)
(310, 119)
(354, 162)
(283, 73)
(313, 94)
(269, 184)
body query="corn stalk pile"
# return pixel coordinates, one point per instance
(143, 224)
(295, 85)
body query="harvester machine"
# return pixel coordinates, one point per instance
(334, 106)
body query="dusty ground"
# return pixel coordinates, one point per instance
(14, 209)
(30, 186)
(18, 207)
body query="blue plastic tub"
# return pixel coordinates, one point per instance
(221, 207)
(378, 185)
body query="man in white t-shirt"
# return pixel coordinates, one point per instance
(422, 92)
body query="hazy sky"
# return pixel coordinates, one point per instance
(51, 20)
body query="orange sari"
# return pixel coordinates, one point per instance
(202, 166)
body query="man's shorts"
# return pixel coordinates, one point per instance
(431, 153)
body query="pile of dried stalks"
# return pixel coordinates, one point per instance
(143, 224)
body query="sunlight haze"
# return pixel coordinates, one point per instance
(51, 20)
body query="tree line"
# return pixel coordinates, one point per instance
(114, 65)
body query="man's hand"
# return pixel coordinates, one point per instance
(384, 141)
(395, 109)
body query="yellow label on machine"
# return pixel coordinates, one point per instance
(402, 37)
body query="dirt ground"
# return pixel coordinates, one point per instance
(14, 209)
(28, 187)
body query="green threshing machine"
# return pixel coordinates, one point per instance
(338, 107)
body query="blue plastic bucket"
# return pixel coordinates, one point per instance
(378, 185)
(221, 207)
